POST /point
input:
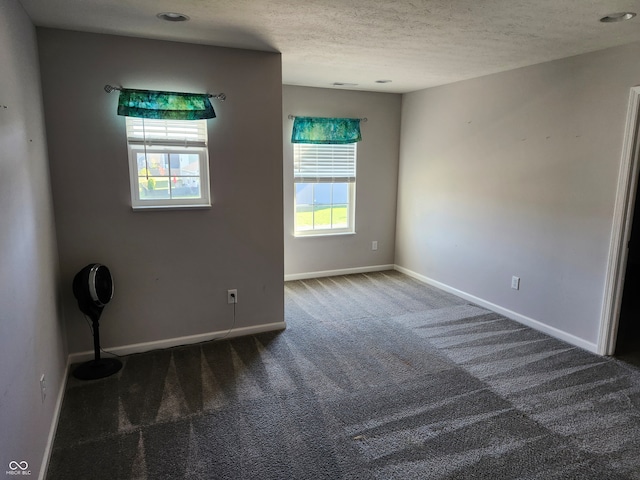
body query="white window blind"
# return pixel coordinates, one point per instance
(184, 133)
(324, 163)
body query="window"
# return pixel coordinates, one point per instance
(168, 163)
(325, 183)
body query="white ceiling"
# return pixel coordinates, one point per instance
(415, 43)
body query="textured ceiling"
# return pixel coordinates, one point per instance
(415, 43)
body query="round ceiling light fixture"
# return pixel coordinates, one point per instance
(173, 17)
(617, 17)
(383, 81)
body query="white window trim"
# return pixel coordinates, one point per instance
(135, 145)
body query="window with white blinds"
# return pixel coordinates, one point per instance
(324, 186)
(168, 163)
(324, 163)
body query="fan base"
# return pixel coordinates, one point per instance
(94, 369)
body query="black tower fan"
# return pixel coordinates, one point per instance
(93, 288)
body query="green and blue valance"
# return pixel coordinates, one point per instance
(164, 105)
(322, 130)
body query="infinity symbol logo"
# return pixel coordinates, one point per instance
(13, 465)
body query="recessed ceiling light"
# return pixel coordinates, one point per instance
(383, 81)
(618, 17)
(173, 17)
(344, 84)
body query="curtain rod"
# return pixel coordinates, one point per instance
(291, 117)
(218, 96)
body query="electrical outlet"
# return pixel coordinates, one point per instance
(232, 296)
(515, 283)
(374, 245)
(43, 387)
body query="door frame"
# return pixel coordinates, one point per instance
(621, 229)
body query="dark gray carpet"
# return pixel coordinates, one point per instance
(377, 377)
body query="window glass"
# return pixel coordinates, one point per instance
(304, 193)
(340, 193)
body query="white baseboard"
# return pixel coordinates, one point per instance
(529, 322)
(342, 271)
(174, 342)
(54, 423)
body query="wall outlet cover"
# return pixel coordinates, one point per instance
(232, 296)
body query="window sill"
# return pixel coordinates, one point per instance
(328, 234)
(147, 208)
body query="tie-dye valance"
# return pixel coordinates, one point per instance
(164, 105)
(326, 130)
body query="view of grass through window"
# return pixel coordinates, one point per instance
(321, 206)
(308, 217)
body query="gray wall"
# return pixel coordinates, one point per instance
(31, 330)
(376, 185)
(171, 269)
(516, 174)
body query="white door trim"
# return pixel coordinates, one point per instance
(621, 229)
